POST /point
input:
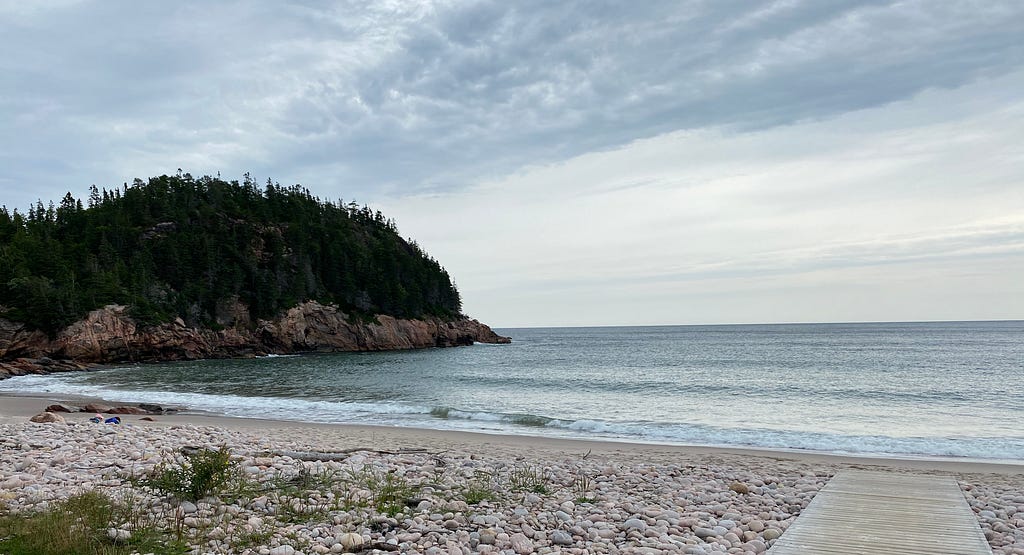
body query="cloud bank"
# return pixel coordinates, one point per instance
(574, 162)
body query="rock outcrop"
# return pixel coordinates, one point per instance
(110, 335)
(17, 341)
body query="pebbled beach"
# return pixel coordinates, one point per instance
(466, 492)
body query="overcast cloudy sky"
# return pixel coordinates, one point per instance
(574, 163)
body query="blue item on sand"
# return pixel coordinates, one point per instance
(113, 420)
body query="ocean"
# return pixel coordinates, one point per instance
(950, 389)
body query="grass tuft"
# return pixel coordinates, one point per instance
(582, 486)
(530, 479)
(480, 488)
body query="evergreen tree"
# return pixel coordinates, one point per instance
(177, 246)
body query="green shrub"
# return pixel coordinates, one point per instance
(205, 473)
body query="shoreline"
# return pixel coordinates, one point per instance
(16, 407)
(314, 488)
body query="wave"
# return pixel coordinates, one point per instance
(628, 384)
(445, 417)
(519, 419)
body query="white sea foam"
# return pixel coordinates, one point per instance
(397, 413)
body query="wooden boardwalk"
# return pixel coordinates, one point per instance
(883, 512)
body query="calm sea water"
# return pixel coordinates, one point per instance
(935, 389)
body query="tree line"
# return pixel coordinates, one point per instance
(176, 246)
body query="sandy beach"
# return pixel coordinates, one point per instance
(529, 494)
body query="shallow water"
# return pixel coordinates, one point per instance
(934, 389)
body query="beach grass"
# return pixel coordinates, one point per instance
(81, 525)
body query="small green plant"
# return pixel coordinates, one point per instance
(240, 489)
(296, 510)
(389, 491)
(249, 540)
(528, 478)
(204, 473)
(79, 525)
(480, 488)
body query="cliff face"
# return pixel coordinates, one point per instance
(110, 335)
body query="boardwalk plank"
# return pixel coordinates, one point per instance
(861, 512)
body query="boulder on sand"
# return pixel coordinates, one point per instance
(46, 417)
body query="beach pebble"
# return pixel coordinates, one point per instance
(559, 537)
(634, 524)
(521, 544)
(739, 487)
(703, 533)
(351, 541)
(119, 535)
(487, 536)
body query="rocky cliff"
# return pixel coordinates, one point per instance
(110, 335)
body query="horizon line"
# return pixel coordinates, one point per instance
(764, 324)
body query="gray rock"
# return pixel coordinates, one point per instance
(119, 535)
(521, 544)
(703, 533)
(634, 524)
(559, 537)
(188, 507)
(757, 546)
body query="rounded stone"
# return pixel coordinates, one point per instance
(560, 537)
(634, 524)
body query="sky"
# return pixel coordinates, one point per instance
(574, 163)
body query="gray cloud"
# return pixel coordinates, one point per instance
(365, 98)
